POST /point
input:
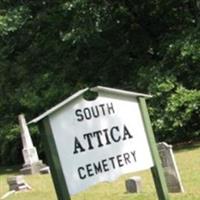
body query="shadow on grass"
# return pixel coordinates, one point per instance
(9, 170)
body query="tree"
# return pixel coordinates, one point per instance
(50, 49)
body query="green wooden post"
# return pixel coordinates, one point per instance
(53, 160)
(156, 170)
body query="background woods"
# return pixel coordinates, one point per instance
(50, 49)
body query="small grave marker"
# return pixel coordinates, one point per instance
(17, 183)
(133, 184)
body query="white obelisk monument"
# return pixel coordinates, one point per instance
(32, 164)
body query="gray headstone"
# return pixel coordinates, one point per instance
(133, 184)
(15, 180)
(171, 172)
(17, 183)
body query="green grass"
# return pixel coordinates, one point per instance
(188, 161)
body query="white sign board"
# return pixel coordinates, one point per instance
(99, 140)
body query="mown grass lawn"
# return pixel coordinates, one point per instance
(188, 160)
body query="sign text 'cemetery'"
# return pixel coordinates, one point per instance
(99, 140)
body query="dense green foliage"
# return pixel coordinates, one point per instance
(50, 49)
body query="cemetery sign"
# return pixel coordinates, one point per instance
(95, 141)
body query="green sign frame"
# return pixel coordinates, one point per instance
(55, 164)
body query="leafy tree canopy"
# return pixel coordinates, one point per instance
(50, 49)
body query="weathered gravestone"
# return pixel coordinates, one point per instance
(171, 172)
(32, 163)
(133, 184)
(17, 183)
